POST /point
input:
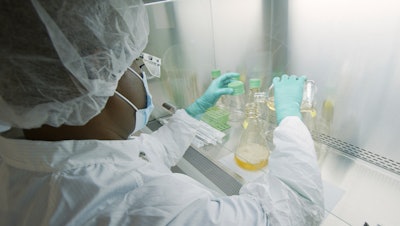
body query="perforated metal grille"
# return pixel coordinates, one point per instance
(357, 152)
(215, 174)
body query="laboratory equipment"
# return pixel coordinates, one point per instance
(252, 152)
(344, 73)
(215, 90)
(308, 102)
(260, 98)
(206, 135)
(236, 101)
(215, 74)
(217, 116)
(254, 87)
(255, 98)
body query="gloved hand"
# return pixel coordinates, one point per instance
(288, 95)
(217, 88)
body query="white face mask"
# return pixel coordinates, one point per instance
(142, 115)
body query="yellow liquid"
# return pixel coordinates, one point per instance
(252, 157)
(252, 167)
(271, 105)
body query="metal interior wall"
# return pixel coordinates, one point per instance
(352, 49)
(193, 37)
(251, 38)
(181, 35)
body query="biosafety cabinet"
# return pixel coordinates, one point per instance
(350, 48)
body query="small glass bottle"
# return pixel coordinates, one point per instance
(254, 87)
(236, 101)
(252, 97)
(308, 102)
(215, 74)
(252, 152)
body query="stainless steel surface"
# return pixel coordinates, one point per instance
(181, 35)
(352, 49)
(371, 194)
(193, 37)
(147, 2)
(360, 153)
(249, 37)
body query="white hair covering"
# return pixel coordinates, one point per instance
(61, 60)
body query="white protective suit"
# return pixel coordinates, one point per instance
(95, 182)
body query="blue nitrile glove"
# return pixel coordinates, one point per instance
(217, 88)
(288, 95)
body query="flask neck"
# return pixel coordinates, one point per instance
(252, 111)
(255, 90)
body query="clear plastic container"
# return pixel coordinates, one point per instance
(252, 152)
(236, 101)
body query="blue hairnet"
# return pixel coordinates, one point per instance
(60, 61)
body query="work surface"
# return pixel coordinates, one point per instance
(356, 192)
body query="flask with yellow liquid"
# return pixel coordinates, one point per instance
(252, 152)
(308, 102)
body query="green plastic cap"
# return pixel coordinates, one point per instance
(236, 78)
(237, 86)
(254, 83)
(215, 74)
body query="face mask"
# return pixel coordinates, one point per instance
(142, 115)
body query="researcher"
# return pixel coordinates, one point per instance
(72, 90)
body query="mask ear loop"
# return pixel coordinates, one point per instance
(134, 72)
(126, 100)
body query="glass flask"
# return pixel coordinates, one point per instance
(252, 152)
(308, 102)
(236, 101)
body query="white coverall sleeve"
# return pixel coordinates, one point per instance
(171, 140)
(291, 192)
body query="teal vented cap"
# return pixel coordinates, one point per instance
(215, 73)
(254, 83)
(237, 86)
(236, 78)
